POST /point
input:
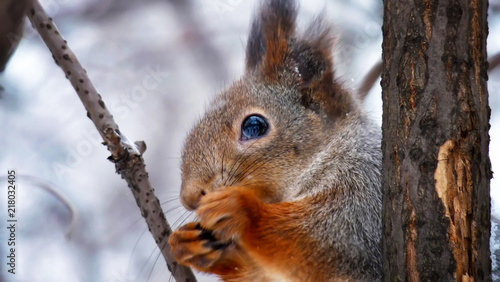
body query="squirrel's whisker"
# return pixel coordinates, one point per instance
(260, 162)
(183, 215)
(240, 161)
(169, 201)
(172, 209)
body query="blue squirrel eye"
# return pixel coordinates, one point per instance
(253, 127)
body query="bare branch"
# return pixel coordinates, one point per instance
(369, 80)
(493, 61)
(126, 156)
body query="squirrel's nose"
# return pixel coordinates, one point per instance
(191, 196)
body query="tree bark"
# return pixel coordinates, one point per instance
(436, 169)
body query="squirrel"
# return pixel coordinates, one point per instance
(283, 170)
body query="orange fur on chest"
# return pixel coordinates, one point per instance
(276, 239)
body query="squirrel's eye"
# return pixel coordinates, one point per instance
(253, 127)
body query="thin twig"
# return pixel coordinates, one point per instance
(371, 77)
(126, 155)
(369, 80)
(52, 189)
(494, 62)
(49, 187)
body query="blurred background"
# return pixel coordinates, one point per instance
(77, 218)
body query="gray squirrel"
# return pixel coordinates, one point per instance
(283, 170)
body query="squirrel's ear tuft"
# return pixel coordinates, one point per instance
(270, 33)
(312, 54)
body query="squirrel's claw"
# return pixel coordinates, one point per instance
(196, 247)
(223, 217)
(225, 213)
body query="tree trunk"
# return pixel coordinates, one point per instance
(436, 169)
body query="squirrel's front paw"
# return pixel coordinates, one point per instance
(194, 246)
(223, 217)
(228, 213)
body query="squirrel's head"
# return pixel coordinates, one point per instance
(264, 131)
